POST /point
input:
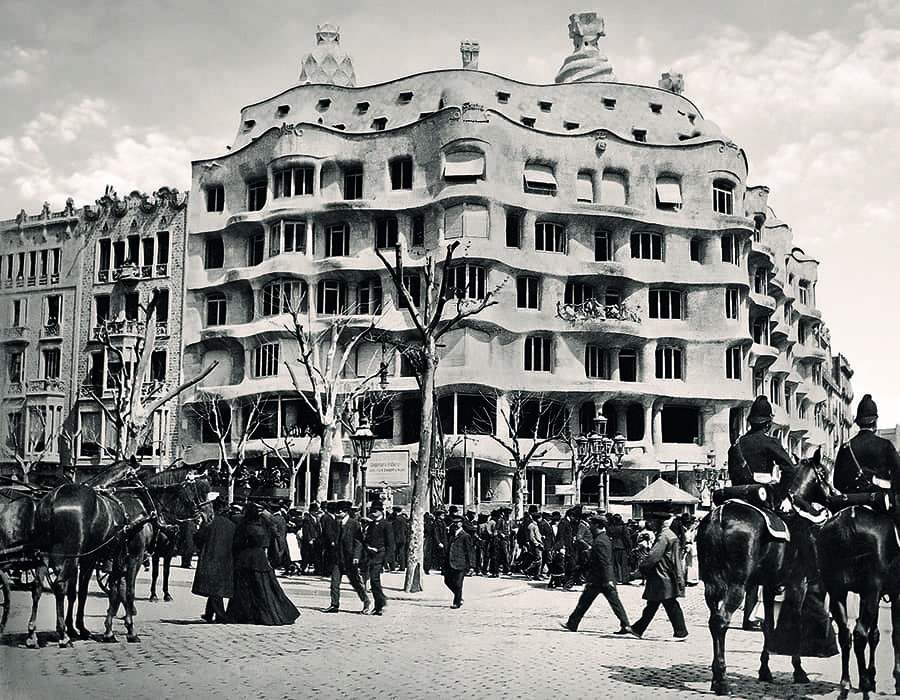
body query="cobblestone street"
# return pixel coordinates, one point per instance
(505, 642)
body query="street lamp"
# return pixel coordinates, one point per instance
(708, 478)
(362, 440)
(599, 451)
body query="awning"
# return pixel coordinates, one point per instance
(668, 192)
(584, 189)
(540, 176)
(464, 164)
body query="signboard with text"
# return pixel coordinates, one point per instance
(388, 468)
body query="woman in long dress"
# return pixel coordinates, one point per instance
(258, 598)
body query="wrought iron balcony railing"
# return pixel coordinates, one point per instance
(593, 310)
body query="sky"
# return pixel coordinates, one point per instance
(127, 94)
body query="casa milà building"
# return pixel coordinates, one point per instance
(637, 273)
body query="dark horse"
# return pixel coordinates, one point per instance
(735, 551)
(178, 483)
(858, 552)
(113, 517)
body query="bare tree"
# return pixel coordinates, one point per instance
(218, 416)
(319, 378)
(290, 450)
(529, 423)
(27, 450)
(134, 399)
(429, 325)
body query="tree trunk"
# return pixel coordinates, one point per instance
(420, 493)
(521, 486)
(325, 451)
(230, 486)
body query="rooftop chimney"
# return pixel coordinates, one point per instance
(469, 50)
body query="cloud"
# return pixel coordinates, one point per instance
(18, 65)
(71, 121)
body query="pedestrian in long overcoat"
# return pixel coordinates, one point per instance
(664, 578)
(214, 577)
(459, 559)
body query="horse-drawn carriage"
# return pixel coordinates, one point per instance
(108, 524)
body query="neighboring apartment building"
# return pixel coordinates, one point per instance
(39, 285)
(131, 247)
(638, 274)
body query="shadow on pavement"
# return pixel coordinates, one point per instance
(694, 677)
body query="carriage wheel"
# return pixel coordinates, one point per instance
(4, 599)
(103, 579)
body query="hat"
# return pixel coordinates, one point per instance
(471, 512)
(761, 411)
(377, 505)
(867, 411)
(598, 519)
(313, 507)
(659, 515)
(453, 510)
(344, 506)
(397, 509)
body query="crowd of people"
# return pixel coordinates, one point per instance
(242, 548)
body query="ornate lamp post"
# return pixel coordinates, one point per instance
(362, 440)
(709, 478)
(597, 450)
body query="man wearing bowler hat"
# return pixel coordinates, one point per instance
(379, 547)
(347, 555)
(599, 578)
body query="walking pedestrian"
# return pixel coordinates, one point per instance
(214, 577)
(347, 555)
(664, 575)
(459, 560)
(599, 578)
(379, 547)
(258, 598)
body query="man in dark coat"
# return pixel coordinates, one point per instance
(379, 547)
(460, 559)
(310, 540)
(663, 569)
(566, 532)
(214, 577)
(400, 525)
(867, 463)
(331, 530)
(621, 545)
(753, 457)
(278, 548)
(599, 578)
(348, 554)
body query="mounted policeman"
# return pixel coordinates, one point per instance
(753, 458)
(868, 463)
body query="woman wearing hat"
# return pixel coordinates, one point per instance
(258, 597)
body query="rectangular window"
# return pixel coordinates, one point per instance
(527, 293)
(274, 240)
(369, 297)
(803, 294)
(257, 249)
(760, 330)
(612, 189)
(540, 179)
(537, 353)
(52, 308)
(466, 282)
(265, 360)
(668, 194)
(50, 362)
(401, 173)
(256, 195)
(19, 313)
(596, 362)
(628, 365)
(513, 230)
(213, 253)
(584, 186)
(90, 433)
(215, 198)
(731, 249)
(413, 284)
(761, 280)
(723, 197)
(337, 240)
(775, 394)
(732, 302)
(733, 359)
(294, 182)
(602, 248)
(418, 230)
(386, 232)
(16, 366)
(353, 182)
(577, 293)
(550, 237)
(216, 308)
(666, 303)
(101, 309)
(466, 221)
(646, 246)
(668, 363)
(331, 299)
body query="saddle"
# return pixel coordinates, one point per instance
(759, 498)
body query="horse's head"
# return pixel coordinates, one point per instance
(180, 493)
(810, 480)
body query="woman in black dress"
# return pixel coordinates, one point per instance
(258, 598)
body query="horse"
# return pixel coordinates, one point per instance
(111, 517)
(735, 551)
(859, 553)
(192, 491)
